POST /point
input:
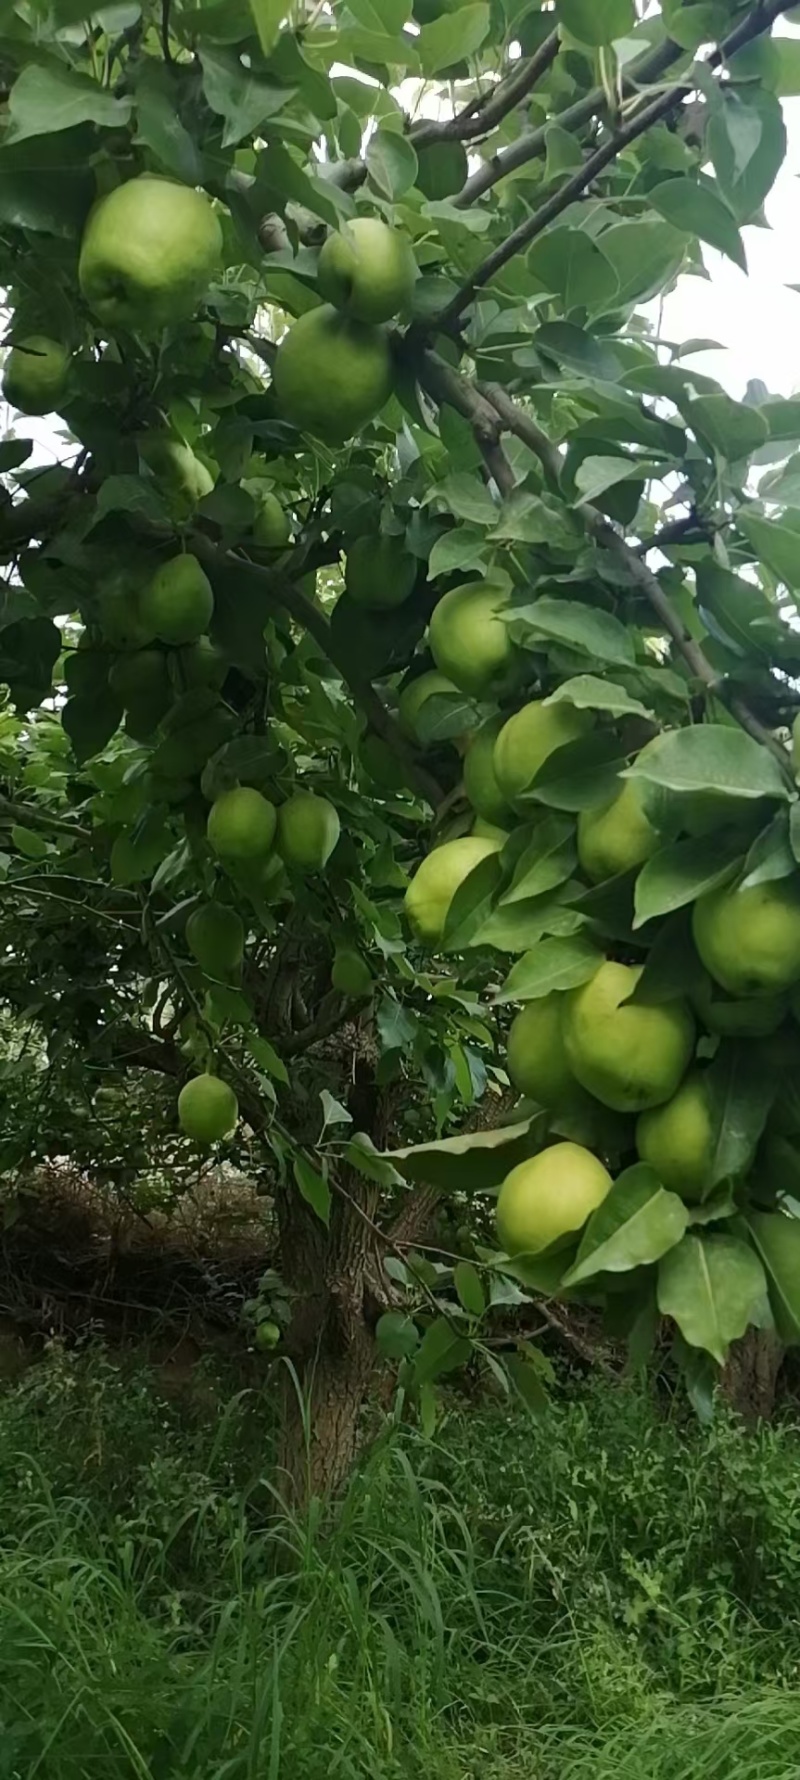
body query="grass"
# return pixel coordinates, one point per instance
(608, 1593)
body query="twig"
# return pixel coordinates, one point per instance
(165, 12)
(333, 1011)
(30, 813)
(751, 27)
(484, 113)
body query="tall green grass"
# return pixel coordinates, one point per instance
(607, 1593)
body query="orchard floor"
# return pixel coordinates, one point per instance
(611, 1591)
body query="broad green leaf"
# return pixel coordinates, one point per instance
(158, 125)
(561, 963)
(597, 474)
(770, 856)
(461, 548)
(517, 926)
(637, 1223)
(712, 1287)
(700, 210)
(397, 1335)
(441, 1350)
(48, 97)
(526, 1378)
(581, 774)
(265, 1055)
(314, 1189)
(391, 163)
(267, 18)
(238, 95)
(596, 22)
(443, 716)
(467, 1281)
(14, 452)
(710, 757)
(597, 633)
(746, 139)
(548, 860)
(472, 904)
(787, 81)
(333, 1113)
(474, 1162)
(537, 519)
(467, 497)
(732, 428)
(573, 346)
(134, 856)
(777, 1239)
(452, 37)
(588, 693)
(645, 254)
(567, 263)
(776, 546)
(90, 720)
(680, 872)
(741, 1087)
(28, 842)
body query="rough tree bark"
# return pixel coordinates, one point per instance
(750, 1377)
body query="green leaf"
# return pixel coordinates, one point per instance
(520, 925)
(397, 1335)
(472, 903)
(452, 37)
(777, 546)
(131, 494)
(746, 139)
(572, 346)
(787, 82)
(777, 1239)
(391, 163)
(237, 95)
(443, 716)
(700, 210)
(588, 693)
(732, 428)
(580, 774)
(547, 861)
(645, 255)
(441, 1350)
(597, 633)
(741, 1087)
(461, 548)
(14, 452)
(561, 963)
(265, 1055)
(267, 18)
(469, 498)
(596, 22)
(709, 757)
(596, 474)
(49, 97)
(677, 874)
(134, 856)
(712, 1287)
(567, 263)
(526, 1378)
(476, 1161)
(158, 125)
(333, 1113)
(28, 842)
(314, 1189)
(637, 1223)
(90, 721)
(467, 1282)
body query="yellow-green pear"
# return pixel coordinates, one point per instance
(215, 937)
(436, 881)
(469, 641)
(367, 269)
(527, 740)
(272, 528)
(332, 374)
(536, 1057)
(36, 374)
(415, 696)
(480, 778)
(677, 1139)
(241, 825)
(616, 836)
(183, 479)
(547, 1199)
(749, 940)
(149, 252)
(178, 603)
(379, 572)
(308, 830)
(755, 1017)
(207, 1109)
(629, 1056)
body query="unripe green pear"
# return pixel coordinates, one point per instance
(207, 1109)
(528, 739)
(677, 1139)
(36, 375)
(379, 572)
(616, 836)
(629, 1056)
(545, 1200)
(470, 642)
(436, 881)
(178, 603)
(332, 374)
(480, 779)
(367, 270)
(536, 1057)
(749, 940)
(149, 251)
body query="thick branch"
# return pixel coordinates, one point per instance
(642, 120)
(485, 113)
(287, 594)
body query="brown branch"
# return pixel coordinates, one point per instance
(485, 113)
(642, 120)
(287, 594)
(333, 1011)
(30, 813)
(534, 142)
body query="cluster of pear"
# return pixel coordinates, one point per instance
(603, 1042)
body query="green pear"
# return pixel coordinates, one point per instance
(616, 836)
(350, 973)
(749, 940)
(379, 572)
(215, 937)
(183, 479)
(757, 1017)
(141, 678)
(415, 696)
(36, 374)
(332, 374)
(545, 1200)
(436, 881)
(207, 1109)
(149, 252)
(536, 1057)
(367, 269)
(241, 826)
(480, 778)
(201, 663)
(271, 527)
(471, 643)
(528, 739)
(179, 601)
(677, 1139)
(308, 830)
(629, 1056)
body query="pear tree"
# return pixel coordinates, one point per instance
(400, 652)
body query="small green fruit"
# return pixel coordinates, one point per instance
(414, 698)
(200, 663)
(241, 826)
(149, 251)
(480, 779)
(271, 527)
(179, 601)
(777, 1239)
(183, 479)
(469, 641)
(549, 1197)
(367, 270)
(267, 1336)
(617, 836)
(207, 1109)
(215, 937)
(536, 1057)
(308, 830)
(629, 1056)
(36, 375)
(749, 940)
(332, 374)
(677, 1139)
(436, 881)
(528, 739)
(379, 572)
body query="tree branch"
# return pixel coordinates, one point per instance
(285, 593)
(642, 120)
(485, 113)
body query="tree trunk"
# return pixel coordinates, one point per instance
(750, 1377)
